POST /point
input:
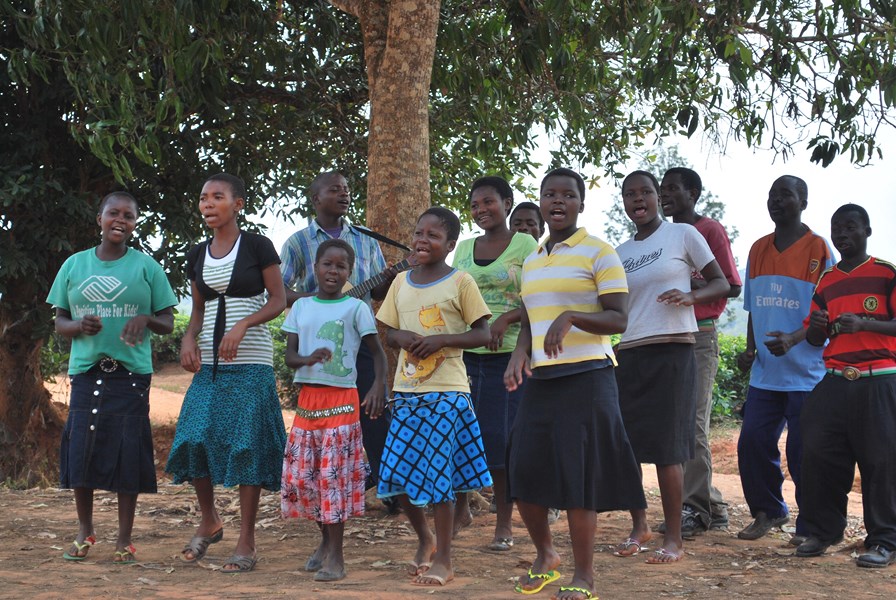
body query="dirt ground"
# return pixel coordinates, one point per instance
(37, 526)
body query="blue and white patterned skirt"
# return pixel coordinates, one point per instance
(433, 449)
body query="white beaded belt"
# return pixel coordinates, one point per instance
(323, 413)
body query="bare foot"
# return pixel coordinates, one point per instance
(464, 519)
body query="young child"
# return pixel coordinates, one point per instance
(568, 446)
(850, 416)
(526, 218)
(434, 448)
(324, 470)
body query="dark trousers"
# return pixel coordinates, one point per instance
(758, 458)
(844, 423)
(373, 430)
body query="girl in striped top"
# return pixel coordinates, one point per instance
(230, 430)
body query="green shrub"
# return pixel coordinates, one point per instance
(54, 356)
(730, 389)
(166, 348)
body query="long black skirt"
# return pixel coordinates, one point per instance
(107, 440)
(568, 447)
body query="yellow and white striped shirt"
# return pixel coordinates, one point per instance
(572, 276)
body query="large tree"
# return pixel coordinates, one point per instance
(152, 95)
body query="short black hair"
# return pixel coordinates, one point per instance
(499, 183)
(689, 178)
(318, 182)
(564, 172)
(237, 185)
(863, 214)
(528, 206)
(118, 194)
(802, 190)
(448, 219)
(647, 174)
(335, 243)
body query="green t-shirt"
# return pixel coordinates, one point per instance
(499, 282)
(117, 291)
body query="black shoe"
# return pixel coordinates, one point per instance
(877, 557)
(691, 525)
(815, 547)
(796, 540)
(760, 526)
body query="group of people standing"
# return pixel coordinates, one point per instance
(506, 374)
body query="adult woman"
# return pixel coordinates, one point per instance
(106, 298)
(495, 260)
(230, 430)
(656, 355)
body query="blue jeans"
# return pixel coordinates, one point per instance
(758, 458)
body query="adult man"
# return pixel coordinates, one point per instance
(703, 507)
(782, 271)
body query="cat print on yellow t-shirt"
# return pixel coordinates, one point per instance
(418, 370)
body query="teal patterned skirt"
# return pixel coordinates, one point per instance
(230, 429)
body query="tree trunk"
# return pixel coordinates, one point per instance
(399, 49)
(30, 426)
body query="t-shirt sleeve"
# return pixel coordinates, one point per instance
(265, 252)
(817, 302)
(608, 272)
(364, 321)
(697, 249)
(388, 313)
(746, 294)
(291, 322)
(162, 295)
(58, 295)
(472, 304)
(720, 245)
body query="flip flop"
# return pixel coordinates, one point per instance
(588, 594)
(501, 544)
(434, 580)
(663, 557)
(542, 578)
(324, 575)
(128, 556)
(243, 564)
(625, 545)
(87, 543)
(198, 546)
(418, 568)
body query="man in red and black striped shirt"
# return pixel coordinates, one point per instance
(850, 416)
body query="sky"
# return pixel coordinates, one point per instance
(741, 178)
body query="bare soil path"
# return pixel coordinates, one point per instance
(37, 525)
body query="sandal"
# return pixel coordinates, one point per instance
(586, 594)
(501, 545)
(85, 545)
(128, 556)
(663, 557)
(243, 564)
(198, 546)
(624, 550)
(541, 578)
